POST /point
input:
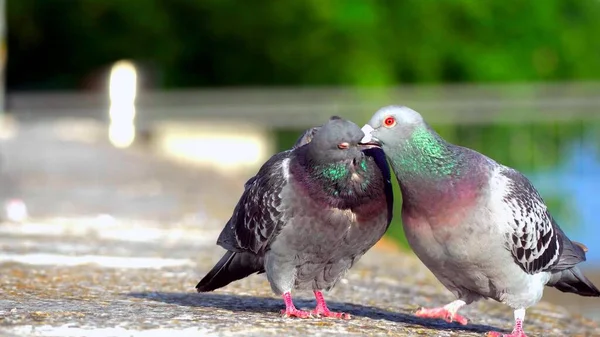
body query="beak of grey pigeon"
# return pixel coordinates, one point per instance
(368, 140)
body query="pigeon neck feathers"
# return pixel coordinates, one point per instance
(339, 183)
(433, 172)
(425, 155)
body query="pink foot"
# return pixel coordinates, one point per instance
(517, 331)
(293, 312)
(290, 309)
(322, 310)
(499, 334)
(442, 313)
(319, 312)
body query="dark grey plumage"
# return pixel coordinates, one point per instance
(308, 215)
(308, 135)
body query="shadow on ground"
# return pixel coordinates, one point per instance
(271, 306)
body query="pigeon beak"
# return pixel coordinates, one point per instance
(368, 140)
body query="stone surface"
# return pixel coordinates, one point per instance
(119, 238)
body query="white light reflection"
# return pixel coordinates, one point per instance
(122, 91)
(16, 210)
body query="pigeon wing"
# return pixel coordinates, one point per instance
(535, 240)
(257, 218)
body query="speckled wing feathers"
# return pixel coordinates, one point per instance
(256, 217)
(534, 240)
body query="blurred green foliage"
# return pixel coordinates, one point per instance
(66, 44)
(59, 44)
(530, 148)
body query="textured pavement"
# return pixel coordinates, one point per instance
(119, 238)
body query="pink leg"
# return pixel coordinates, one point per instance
(447, 313)
(517, 331)
(290, 309)
(322, 310)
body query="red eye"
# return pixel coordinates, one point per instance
(389, 122)
(343, 146)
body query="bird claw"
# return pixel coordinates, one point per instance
(499, 334)
(442, 313)
(296, 313)
(331, 314)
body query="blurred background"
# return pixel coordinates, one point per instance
(96, 92)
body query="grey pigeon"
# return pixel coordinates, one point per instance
(479, 226)
(307, 216)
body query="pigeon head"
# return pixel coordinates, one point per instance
(336, 140)
(413, 147)
(334, 165)
(391, 126)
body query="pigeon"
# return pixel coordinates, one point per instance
(481, 227)
(308, 216)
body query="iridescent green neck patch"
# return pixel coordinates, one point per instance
(426, 154)
(335, 171)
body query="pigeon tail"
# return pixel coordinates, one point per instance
(566, 276)
(573, 281)
(572, 254)
(232, 267)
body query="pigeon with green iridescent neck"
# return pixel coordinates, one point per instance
(479, 226)
(307, 216)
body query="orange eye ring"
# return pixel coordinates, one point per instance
(389, 122)
(343, 146)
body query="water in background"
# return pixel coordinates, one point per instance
(577, 181)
